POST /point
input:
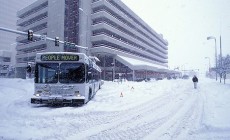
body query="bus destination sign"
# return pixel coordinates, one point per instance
(59, 57)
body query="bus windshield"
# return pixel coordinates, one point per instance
(72, 73)
(64, 73)
(46, 73)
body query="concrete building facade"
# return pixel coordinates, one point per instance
(5, 57)
(124, 43)
(8, 16)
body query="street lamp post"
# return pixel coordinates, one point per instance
(87, 22)
(183, 67)
(208, 38)
(221, 65)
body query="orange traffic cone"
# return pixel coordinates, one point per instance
(121, 95)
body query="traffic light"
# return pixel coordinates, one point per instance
(56, 41)
(30, 35)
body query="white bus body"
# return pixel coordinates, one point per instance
(65, 78)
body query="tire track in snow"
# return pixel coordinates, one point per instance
(182, 112)
(134, 133)
(154, 107)
(188, 123)
(122, 116)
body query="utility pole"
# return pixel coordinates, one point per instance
(221, 65)
(208, 38)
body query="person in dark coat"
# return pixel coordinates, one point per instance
(195, 81)
(29, 70)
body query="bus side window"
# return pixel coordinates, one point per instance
(89, 73)
(90, 76)
(86, 73)
(36, 74)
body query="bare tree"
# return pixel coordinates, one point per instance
(223, 68)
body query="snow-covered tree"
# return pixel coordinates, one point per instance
(224, 68)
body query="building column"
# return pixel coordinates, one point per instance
(113, 69)
(133, 75)
(104, 67)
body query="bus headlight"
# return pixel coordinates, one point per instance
(38, 93)
(77, 93)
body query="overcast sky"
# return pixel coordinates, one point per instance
(186, 24)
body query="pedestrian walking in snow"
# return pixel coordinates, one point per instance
(29, 70)
(195, 81)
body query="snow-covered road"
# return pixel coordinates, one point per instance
(161, 110)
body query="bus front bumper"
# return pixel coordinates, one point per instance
(58, 100)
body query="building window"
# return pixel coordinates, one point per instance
(71, 28)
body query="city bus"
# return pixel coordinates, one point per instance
(65, 78)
